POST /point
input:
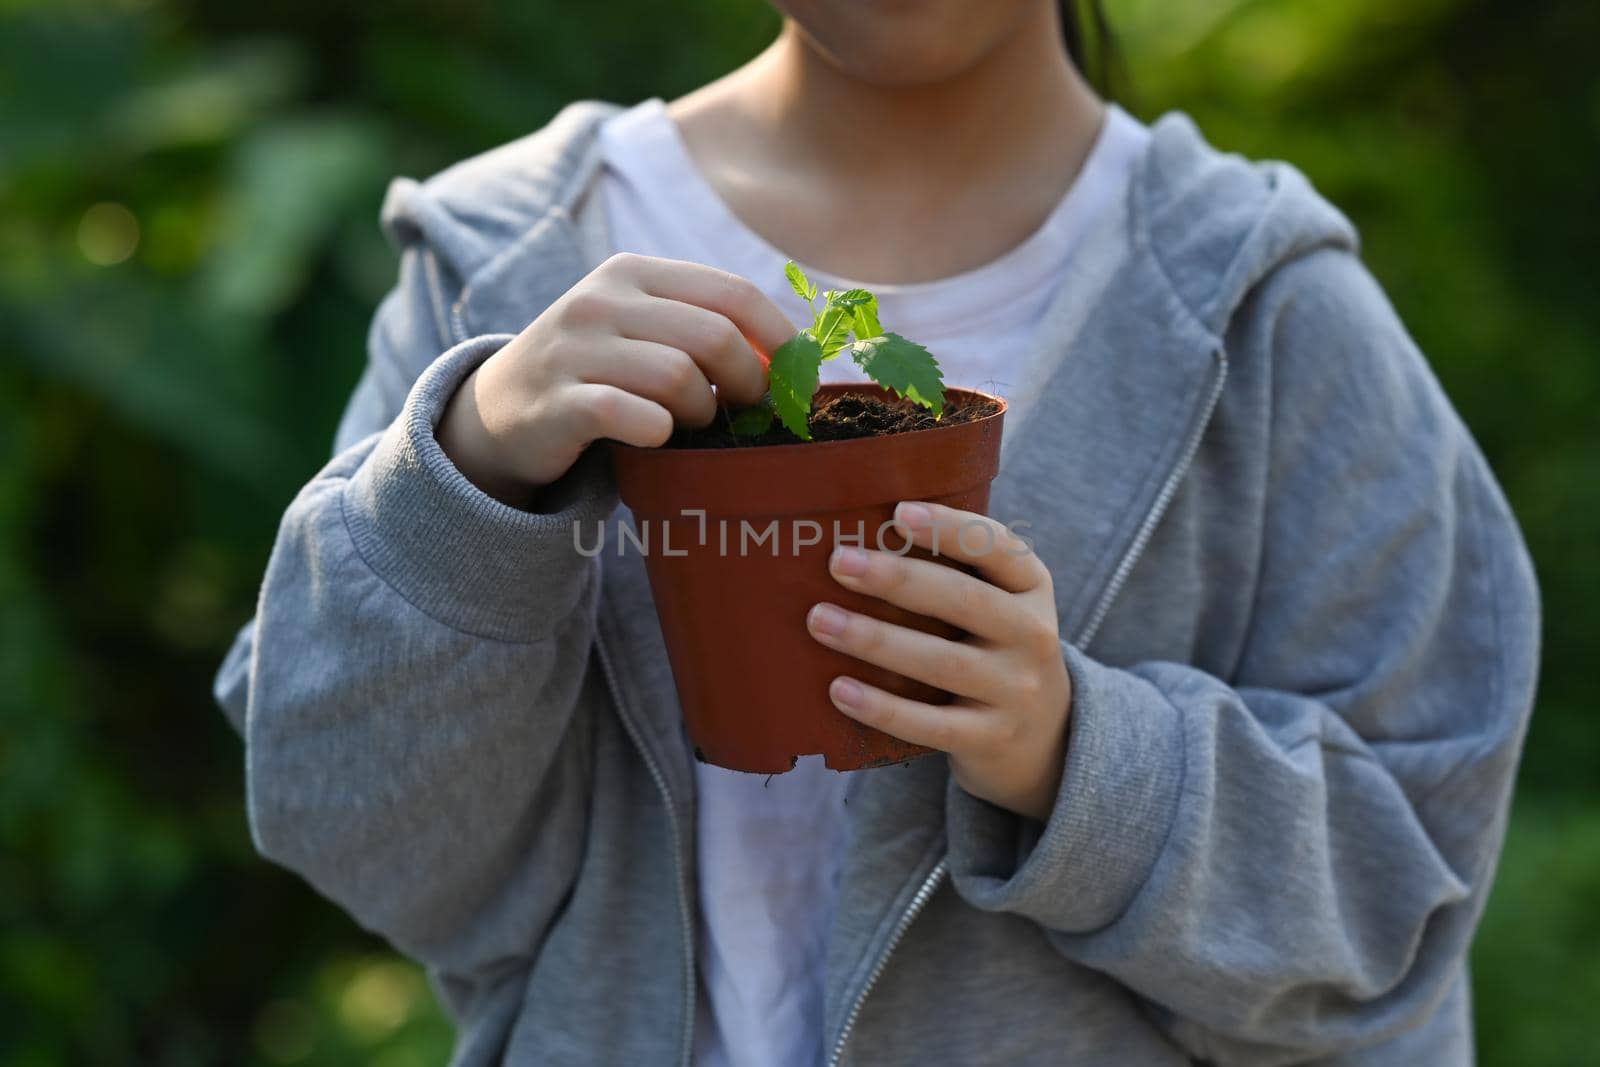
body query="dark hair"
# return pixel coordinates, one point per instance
(1091, 45)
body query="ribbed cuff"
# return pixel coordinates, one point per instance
(451, 550)
(1079, 870)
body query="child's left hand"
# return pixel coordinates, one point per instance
(1006, 730)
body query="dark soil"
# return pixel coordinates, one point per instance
(842, 418)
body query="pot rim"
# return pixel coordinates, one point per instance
(836, 388)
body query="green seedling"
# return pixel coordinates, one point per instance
(846, 322)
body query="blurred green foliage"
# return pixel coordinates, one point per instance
(188, 260)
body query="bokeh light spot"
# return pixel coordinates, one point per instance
(379, 999)
(108, 234)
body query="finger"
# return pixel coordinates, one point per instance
(721, 291)
(998, 554)
(709, 338)
(928, 588)
(600, 411)
(655, 371)
(948, 665)
(948, 728)
(739, 299)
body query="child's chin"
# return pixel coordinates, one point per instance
(902, 42)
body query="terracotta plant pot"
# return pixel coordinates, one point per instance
(732, 603)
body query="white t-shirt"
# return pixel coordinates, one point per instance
(770, 848)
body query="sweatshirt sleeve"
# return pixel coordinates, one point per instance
(410, 688)
(1291, 863)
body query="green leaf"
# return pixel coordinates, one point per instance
(866, 315)
(751, 421)
(833, 330)
(799, 282)
(863, 307)
(793, 380)
(903, 366)
(866, 320)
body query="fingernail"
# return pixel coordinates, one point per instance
(849, 561)
(913, 514)
(827, 620)
(845, 693)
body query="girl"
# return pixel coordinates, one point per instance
(1226, 774)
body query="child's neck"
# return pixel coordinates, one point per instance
(990, 117)
(843, 173)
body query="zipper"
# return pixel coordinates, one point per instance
(1119, 578)
(918, 902)
(685, 919)
(1169, 488)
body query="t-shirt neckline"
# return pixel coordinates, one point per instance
(976, 293)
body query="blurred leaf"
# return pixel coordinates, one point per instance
(209, 102)
(293, 182)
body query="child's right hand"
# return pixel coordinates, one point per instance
(626, 353)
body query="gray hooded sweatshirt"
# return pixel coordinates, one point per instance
(1299, 620)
